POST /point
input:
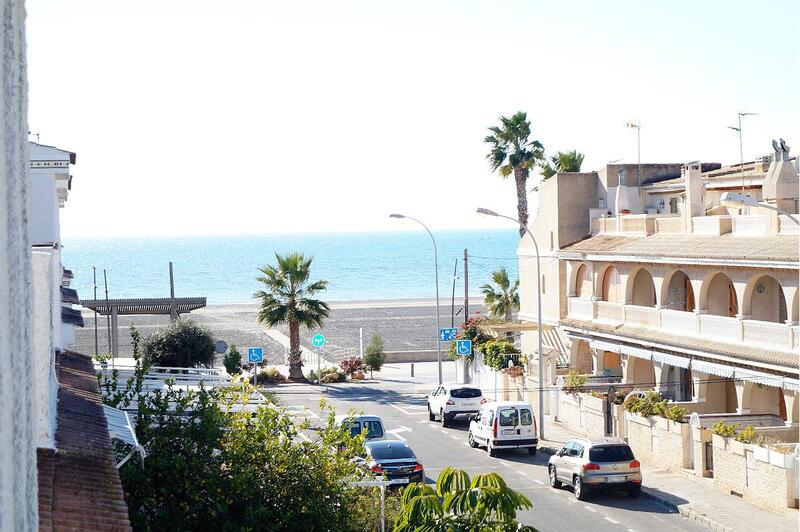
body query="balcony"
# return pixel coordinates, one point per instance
(762, 334)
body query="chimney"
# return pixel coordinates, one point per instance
(781, 184)
(695, 204)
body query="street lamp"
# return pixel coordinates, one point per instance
(638, 127)
(436, 267)
(741, 151)
(488, 212)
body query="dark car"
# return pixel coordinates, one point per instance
(394, 460)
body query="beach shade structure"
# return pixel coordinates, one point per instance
(126, 307)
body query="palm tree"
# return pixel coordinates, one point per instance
(512, 150)
(288, 299)
(563, 161)
(504, 300)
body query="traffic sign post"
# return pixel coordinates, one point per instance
(318, 340)
(448, 335)
(382, 485)
(255, 355)
(464, 347)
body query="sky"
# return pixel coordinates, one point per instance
(250, 117)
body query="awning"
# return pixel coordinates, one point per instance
(120, 428)
(713, 369)
(621, 348)
(672, 360)
(759, 378)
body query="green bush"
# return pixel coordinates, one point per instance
(575, 381)
(651, 404)
(747, 434)
(269, 375)
(374, 355)
(233, 361)
(328, 375)
(353, 365)
(498, 352)
(726, 430)
(676, 413)
(183, 343)
(470, 330)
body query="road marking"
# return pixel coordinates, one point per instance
(610, 520)
(422, 421)
(396, 432)
(506, 464)
(444, 431)
(455, 437)
(535, 480)
(403, 410)
(590, 509)
(631, 530)
(524, 475)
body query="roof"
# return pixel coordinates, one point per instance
(79, 488)
(69, 295)
(152, 305)
(741, 352)
(72, 316)
(727, 246)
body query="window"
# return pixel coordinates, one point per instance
(509, 417)
(392, 452)
(611, 453)
(374, 429)
(353, 426)
(465, 393)
(567, 450)
(525, 416)
(488, 419)
(673, 205)
(577, 450)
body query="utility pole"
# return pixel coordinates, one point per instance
(173, 309)
(466, 286)
(738, 129)
(453, 297)
(96, 341)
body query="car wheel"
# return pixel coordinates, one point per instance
(431, 417)
(554, 482)
(490, 449)
(635, 492)
(445, 421)
(471, 440)
(531, 451)
(580, 491)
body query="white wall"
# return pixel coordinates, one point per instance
(44, 223)
(18, 478)
(45, 264)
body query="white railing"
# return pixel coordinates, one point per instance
(749, 225)
(609, 312)
(719, 327)
(796, 337)
(765, 332)
(580, 308)
(671, 225)
(788, 226)
(679, 321)
(711, 225)
(637, 316)
(633, 224)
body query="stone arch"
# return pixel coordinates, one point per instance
(581, 356)
(677, 292)
(718, 295)
(640, 371)
(640, 289)
(583, 282)
(764, 299)
(794, 313)
(761, 399)
(611, 288)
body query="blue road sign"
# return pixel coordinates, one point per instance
(464, 347)
(255, 355)
(318, 340)
(447, 335)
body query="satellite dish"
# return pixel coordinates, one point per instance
(784, 146)
(220, 346)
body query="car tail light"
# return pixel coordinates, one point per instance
(450, 402)
(376, 469)
(590, 467)
(534, 425)
(494, 429)
(417, 468)
(634, 465)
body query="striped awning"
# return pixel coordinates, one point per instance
(672, 360)
(712, 369)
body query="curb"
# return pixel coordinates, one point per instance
(687, 513)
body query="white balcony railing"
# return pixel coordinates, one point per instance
(749, 225)
(609, 312)
(720, 327)
(671, 225)
(637, 316)
(580, 308)
(765, 332)
(788, 226)
(678, 321)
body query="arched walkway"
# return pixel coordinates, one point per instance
(642, 291)
(679, 294)
(764, 300)
(719, 296)
(583, 282)
(611, 288)
(640, 371)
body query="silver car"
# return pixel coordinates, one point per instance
(589, 464)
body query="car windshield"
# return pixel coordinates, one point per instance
(610, 453)
(465, 393)
(508, 417)
(353, 426)
(374, 429)
(391, 452)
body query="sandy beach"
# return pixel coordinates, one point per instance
(404, 325)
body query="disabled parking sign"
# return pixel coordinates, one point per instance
(255, 355)
(464, 347)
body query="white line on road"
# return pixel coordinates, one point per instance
(610, 520)
(403, 410)
(535, 480)
(590, 509)
(631, 530)
(444, 431)
(524, 475)
(455, 437)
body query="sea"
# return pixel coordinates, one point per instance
(357, 266)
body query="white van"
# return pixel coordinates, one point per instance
(357, 423)
(504, 425)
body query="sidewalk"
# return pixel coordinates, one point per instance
(694, 498)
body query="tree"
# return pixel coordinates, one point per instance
(288, 298)
(485, 503)
(563, 161)
(183, 343)
(233, 361)
(374, 355)
(351, 366)
(512, 151)
(503, 300)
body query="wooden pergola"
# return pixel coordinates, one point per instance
(500, 329)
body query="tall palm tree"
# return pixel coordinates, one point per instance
(288, 299)
(512, 151)
(504, 300)
(563, 161)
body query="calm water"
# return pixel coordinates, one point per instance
(358, 266)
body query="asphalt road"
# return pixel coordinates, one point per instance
(404, 413)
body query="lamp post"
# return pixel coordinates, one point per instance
(539, 312)
(741, 151)
(638, 127)
(436, 269)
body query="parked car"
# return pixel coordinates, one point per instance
(588, 465)
(357, 423)
(394, 460)
(451, 399)
(504, 425)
